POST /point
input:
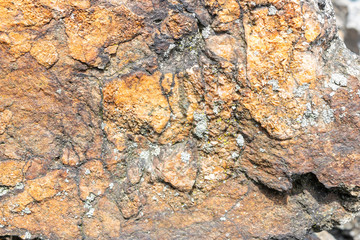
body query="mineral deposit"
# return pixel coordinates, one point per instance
(176, 119)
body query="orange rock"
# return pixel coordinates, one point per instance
(215, 119)
(179, 25)
(179, 167)
(91, 29)
(22, 13)
(139, 99)
(225, 11)
(93, 179)
(11, 172)
(130, 205)
(5, 118)
(271, 78)
(222, 46)
(106, 221)
(45, 53)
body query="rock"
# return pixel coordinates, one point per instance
(45, 53)
(179, 166)
(176, 120)
(132, 98)
(92, 29)
(347, 16)
(325, 236)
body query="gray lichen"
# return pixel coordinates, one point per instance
(201, 124)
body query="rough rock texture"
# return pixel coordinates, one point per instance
(213, 119)
(350, 230)
(348, 17)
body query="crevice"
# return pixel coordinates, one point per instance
(15, 237)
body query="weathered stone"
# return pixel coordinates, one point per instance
(11, 172)
(139, 101)
(45, 53)
(216, 119)
(94, 28)
(179, 166)
(93, 179)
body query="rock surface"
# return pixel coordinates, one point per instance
(348, 17)
(176, 119)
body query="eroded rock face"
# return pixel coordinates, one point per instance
(176, 120)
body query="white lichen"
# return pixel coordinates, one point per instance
(207, 32)
(3, 191)
(337, 80)
(185, 157)
(234, 155)
(90, 213)
(87, 171)
(240, 141)
(19, 186)
(155, 150)
(27, 235)
(26, 210)
(91, 197)
(272, 11)
(275, 84)
(301, 90)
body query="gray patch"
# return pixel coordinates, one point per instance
(171, 47)
(208, 148)
(310, 116)
(145, 155)
(207, 32)
(275, 84)
(201, 124)
(155, 150)
(146, 161)
(240, 140)
(300, 91)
